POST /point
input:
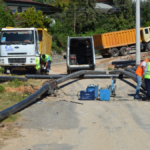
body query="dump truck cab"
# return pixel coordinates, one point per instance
(20, 47)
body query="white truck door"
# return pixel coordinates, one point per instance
(68, 52)
(36, 41)
(93, 49)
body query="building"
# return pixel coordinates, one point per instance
(104, 5)
(23, 5)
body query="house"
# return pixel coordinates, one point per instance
(23, 5)
(104, 5)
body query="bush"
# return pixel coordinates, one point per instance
(2, 89)
(2, 70)
(6, 17)
(37, 19)
(14, 83)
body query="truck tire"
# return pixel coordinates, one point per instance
(148, 46)
(114, 52)
(123, 51)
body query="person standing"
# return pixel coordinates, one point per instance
(139, 74)
(146, 76)
(46, 59)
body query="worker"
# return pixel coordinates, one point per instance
(146, 76)
(139, 74)
(46, 59)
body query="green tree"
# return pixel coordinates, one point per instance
(37, 19)
(6, 17)
(81, 15)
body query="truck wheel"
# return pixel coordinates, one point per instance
(114, 52)
(123, 51)
(148, 46)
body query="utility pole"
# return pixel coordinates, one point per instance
(138, 49)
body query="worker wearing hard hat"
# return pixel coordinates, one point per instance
(46, 59)
(139, 74)
(146, 76)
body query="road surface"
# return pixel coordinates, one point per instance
(66, 123)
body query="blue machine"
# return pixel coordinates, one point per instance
(87, 95)
(104, 94)
(112, 87)
(90, 94)
(92, 88)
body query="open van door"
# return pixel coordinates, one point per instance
(68, 54)
(92, 41)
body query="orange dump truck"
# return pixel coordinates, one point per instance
(116, 43)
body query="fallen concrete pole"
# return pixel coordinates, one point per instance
(130, 70)
(123, 62)
(48, 87)
(11, 78)
(124, 65)
(86, 76)
(55, 76)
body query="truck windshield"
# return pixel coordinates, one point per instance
(17, 37)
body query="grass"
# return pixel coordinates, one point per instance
(109, 68)
(2, 70)
(8, 99)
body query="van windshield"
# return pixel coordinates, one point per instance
(18, 37)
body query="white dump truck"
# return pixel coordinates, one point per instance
(80, 54)
(19, 47)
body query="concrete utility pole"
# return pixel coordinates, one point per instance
(138, 49)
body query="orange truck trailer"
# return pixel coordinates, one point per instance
(117, 43)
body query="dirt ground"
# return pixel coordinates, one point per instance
(66, 123)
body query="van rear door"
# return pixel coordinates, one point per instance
(68, 52)
(92, 41)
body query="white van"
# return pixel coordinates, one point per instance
(80, 54)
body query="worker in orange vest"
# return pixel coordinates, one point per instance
(139, 74)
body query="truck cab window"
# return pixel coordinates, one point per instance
(146, 31)
(17, 37)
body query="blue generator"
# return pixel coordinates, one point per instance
(92, 88)
(105, 94)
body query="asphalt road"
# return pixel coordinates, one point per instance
(67, 123)
(59, 124)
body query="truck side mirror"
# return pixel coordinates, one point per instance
(64, 56)
(40, 37)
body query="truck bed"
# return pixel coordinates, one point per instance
(115, 39)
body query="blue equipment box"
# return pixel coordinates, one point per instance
(105, 94)
(87, 95)
(92, 88)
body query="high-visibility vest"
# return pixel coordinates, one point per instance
(37, 63)
(45, 59)
(139, 70)
(147, 74)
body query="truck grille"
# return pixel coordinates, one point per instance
(17, 60)
(16, 53)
